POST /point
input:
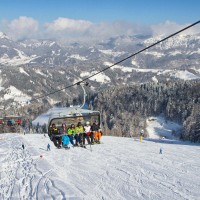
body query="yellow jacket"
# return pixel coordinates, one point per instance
(79, 129)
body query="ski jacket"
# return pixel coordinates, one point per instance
(13, 121)
(19, 121)
(9, 122)
(54, 131)
(79, 129)
(71, 131)
(95, 127)
(61, 131)
(87, 128)
(65, 140)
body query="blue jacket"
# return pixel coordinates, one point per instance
(65, 140)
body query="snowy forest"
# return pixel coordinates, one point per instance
(125, 109)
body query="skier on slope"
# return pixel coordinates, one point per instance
(48, 147)
(141, 135)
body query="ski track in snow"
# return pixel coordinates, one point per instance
(120, 168)
(26, 176)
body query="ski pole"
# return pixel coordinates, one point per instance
(90, 147)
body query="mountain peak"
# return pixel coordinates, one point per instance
(3, 36)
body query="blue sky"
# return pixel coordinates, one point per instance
(87, 19)
(140, 11)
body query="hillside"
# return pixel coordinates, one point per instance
(162, 80)
(37, 67)
(126, 109)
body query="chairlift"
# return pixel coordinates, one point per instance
(73, 115)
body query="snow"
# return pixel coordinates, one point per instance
(176, 41)
(174, 53)
(3, 36)
(17, 95)
(133, 62)
(195, 52)
(20, 59)
(41, 73)
(92, 50)
(101, 78)
(49, 74)
(3, 46)
(154, 53)
(154, 79)
(78, 57)
(181, 74)
(147, 70)
(118, 169)
(51, 44)
(185, 75)
(61, 72)
(1, 80)
(122, 68)
(23, 71)
(196, 70)
(158, 127)
(82, 74)
(32, 82)
(112, 53)
(42, 119)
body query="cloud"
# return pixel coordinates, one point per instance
(68, 25)
(112, 29)
(85, 31)
(21, 28)
(70, 30)
(169, 27)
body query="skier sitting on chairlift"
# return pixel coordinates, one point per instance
(71, 133)
(79, 134)
(65, 141)
(55, 136)
(88, 134)
(96, 131)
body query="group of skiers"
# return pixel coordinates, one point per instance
(76, 135)
(11, 122)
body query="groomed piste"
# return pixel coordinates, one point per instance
(120, 168)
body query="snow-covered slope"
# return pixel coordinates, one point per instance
(158, 127)
(120, 168)
(17, 95)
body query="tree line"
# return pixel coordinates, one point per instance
(125, 109)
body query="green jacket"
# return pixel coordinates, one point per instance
(71, 131)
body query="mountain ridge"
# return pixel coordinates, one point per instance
(34, 68)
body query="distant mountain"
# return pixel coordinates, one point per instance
(32, 68)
